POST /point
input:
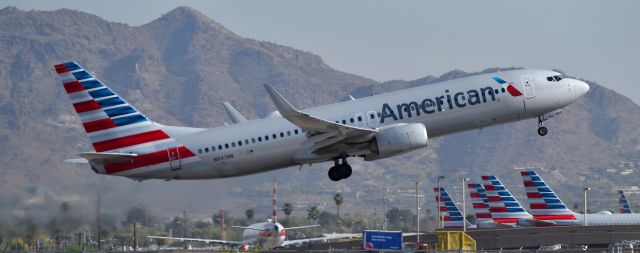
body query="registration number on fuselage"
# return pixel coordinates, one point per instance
(223, 158)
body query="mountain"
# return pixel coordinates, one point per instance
(178, 69)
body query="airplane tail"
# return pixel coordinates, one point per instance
(479, 201)
(116, 129)
(544, 203)
(624, 204)
(503, 206)
(451, 215)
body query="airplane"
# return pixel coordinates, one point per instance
(624, 204)
(127, 143)
(450, 215)
(480, 203)
(269, 234)
(505, 208)
(546, 205)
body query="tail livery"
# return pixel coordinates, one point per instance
(624, 204)
(544, 203)
(124, 139)
(451, 215)
(480, 203)
(504, 208)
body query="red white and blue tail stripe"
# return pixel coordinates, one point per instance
(115, 126)
(451, 215)
(624, 204)
(544, 203)
(480, 203)
(503, 206)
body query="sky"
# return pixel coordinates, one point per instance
(387, 40)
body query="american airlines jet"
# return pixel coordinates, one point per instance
(624, 204)
(546, 205)
(127, 143)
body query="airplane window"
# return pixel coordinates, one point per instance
(371, 116)
(213, 148)
(351, 120)
(550, 78)
(219, 147)
(344, 122)
(266, 137)
(359, 118)
(558, 78)
(239, 143)
(206, 150)
(253, 140)
(233, 144)
(246, 142)
(259, 139)
(226, 145)
(337, 121)
(274, 136)
(281, 134)
(199, 151)
(288, 133)
(295, 131)
(502, 90)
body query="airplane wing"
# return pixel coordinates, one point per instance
(231, 243)
(325, 136)
(324, 238)
(235, 116)
(300, 227)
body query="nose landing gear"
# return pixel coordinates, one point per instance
(340, 170)
(542, 130)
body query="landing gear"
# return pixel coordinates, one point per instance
(542, 130)
(340, 170)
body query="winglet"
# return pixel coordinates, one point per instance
(235, 116)
(283, 106)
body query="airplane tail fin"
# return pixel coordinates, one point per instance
(543, 201)
(451, 215)
(479, 201)
(503, 206)
(624, 204)
(114, 126)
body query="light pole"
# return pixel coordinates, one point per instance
(586, 189)
(464, 205)
(384, 210)
(438, 202)
(418, 213)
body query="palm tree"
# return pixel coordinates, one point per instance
(338, 199)
(249, 213)
(313, 213)
(287, 208)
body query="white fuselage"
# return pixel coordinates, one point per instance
(265, 235)
(443, 108)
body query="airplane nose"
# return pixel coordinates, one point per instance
(581, 88)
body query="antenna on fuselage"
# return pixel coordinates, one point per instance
(273, 211)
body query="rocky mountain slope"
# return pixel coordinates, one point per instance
(179, 68)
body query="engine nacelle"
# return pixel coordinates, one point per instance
(397, 140)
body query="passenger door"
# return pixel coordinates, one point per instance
(529, 89)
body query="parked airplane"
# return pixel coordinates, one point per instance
(624, 204)
(545, 205)
(129, 144)
(264, 235)
(505, 208)
(450, 215)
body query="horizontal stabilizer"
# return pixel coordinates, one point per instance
(107, 157)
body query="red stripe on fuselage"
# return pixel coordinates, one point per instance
(146, 160)
(86, 106)
(72, 87)
(555, 217)
(60, 68)
(98, 125)
(130, 140)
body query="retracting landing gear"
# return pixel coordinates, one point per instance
(340, 170)
(542, 130)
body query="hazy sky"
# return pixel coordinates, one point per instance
(384, 40)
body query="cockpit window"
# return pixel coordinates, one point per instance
(554, 78)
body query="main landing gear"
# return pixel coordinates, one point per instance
(542, 130)
(340, 170)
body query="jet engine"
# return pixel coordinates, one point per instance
(397, 140)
